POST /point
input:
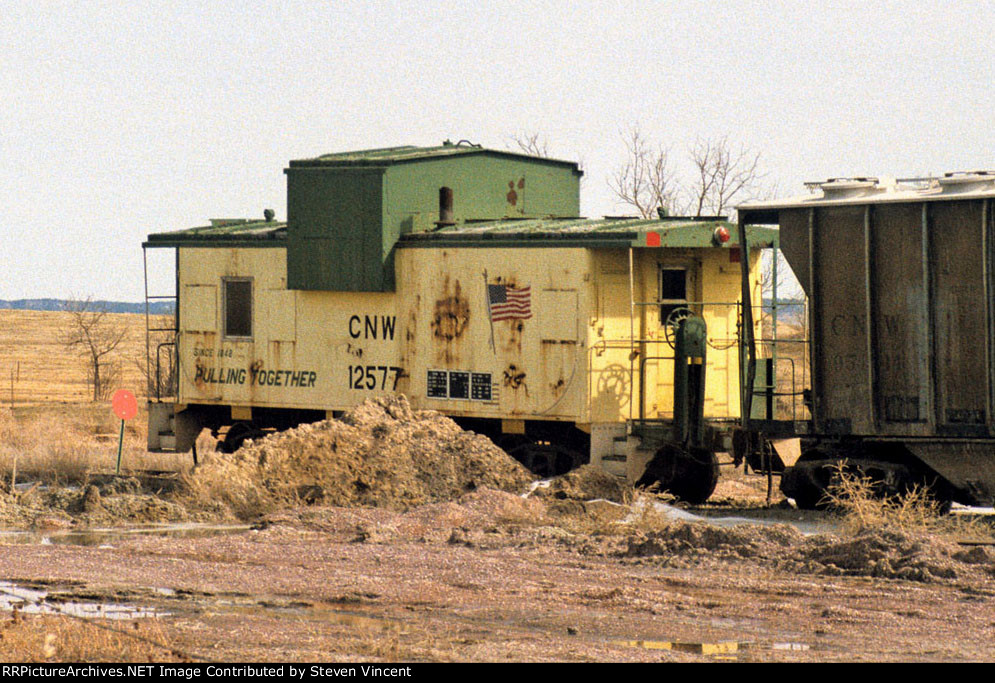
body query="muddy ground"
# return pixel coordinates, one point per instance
(451, 568)
(480, 580)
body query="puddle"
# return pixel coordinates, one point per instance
(541, 484)
(102, 537)
(958, 509)
(728, 647)
(794, 647)
(808, 522)
(32, 601)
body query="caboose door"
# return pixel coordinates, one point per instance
(676, 294)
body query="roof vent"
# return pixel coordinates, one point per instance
(846, 188)
(967, 181)
(269, 214)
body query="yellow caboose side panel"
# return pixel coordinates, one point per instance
(245, 339)
(496, 332)
(513, 333)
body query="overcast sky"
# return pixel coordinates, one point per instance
(124, 118)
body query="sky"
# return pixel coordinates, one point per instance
(120, 119)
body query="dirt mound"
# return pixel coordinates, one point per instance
(584, 483)
(698, 539)
(889, 554)
(381, 454)
(880, 553)
(47, 508)
(463, 521)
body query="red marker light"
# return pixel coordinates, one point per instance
(721, 235)
(652, 239)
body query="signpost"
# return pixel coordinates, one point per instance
(125, 407)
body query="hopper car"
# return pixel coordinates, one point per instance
(898, 274)
(465, 279)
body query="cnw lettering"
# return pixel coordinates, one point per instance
(847, 325)
(372, 327)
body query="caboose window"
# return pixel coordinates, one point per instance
(238, 307)
(673, 291)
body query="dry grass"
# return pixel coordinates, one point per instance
(36, 368)
(63, 444)
(48, 427)
(861, 507)
(43, 638)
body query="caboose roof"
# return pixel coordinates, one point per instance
(226, 232)
(548, 232)
(612, 232)
(387, 156)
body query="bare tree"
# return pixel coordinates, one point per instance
(723, 175)
(645, 181)
(533, 144)
(94, 334)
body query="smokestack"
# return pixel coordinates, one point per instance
(446, 216)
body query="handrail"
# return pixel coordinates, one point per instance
(158, 371)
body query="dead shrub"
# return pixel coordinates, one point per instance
(856, 499)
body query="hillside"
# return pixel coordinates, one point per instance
(155, 307)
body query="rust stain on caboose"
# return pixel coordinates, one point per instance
(514, 378)
(514, 342)
(200, 371)
(512, 196)
(452, 313)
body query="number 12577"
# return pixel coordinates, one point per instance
(372, 377)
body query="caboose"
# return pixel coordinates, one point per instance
(464, 278)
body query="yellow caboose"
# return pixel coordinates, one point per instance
(463, 278)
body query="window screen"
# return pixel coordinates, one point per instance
(673, 291)
(238, 307)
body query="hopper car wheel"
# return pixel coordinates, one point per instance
(689, 473)
(237, 435)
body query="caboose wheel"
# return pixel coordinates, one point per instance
(237, 435)
(690, 474)
(543, 459)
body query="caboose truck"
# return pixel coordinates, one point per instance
(461, 277)
(899, 276)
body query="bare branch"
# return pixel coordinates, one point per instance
(723, 176)
(532, 144)
(93, 333)
(645, 181)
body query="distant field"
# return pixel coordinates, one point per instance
(35, 368)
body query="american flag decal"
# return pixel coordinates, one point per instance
(509, 303)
